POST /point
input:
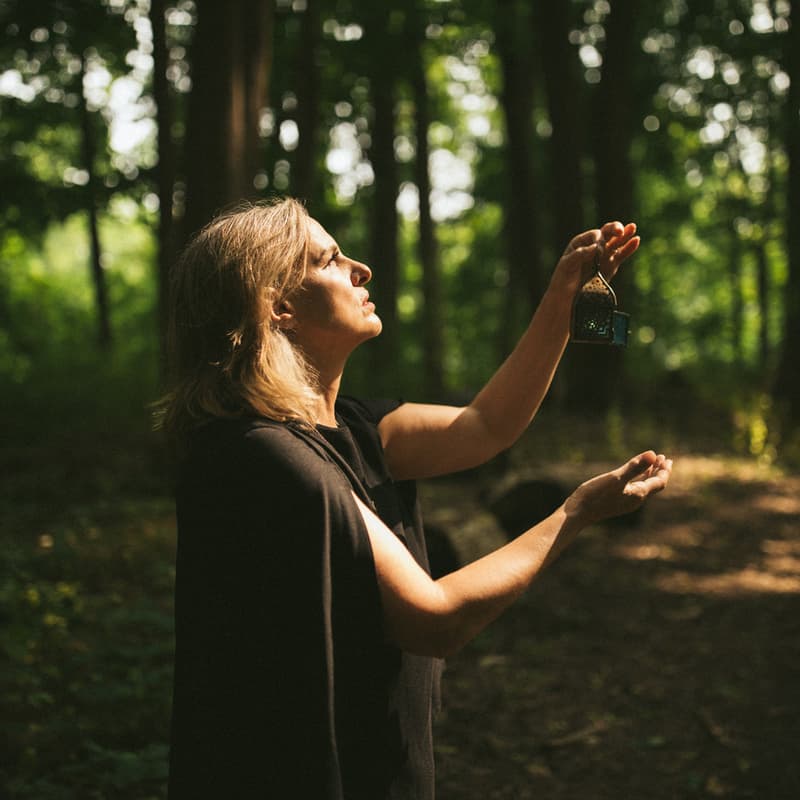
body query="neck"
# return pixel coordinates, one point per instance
(329, 391)
(329, 366)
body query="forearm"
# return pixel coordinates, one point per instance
(439, 617)
(511, 398)
(424, 441)
(481, 591)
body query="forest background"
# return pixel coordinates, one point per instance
(455, 146)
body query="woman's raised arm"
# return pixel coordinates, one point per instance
(423, 441)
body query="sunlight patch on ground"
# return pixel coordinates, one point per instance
(691, 469)
(647, 552)
(749, 580)
(763, 513)
(778, 504)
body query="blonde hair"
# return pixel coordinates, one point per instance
(227, 358)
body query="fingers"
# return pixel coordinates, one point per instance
(636, 466)
(611, 229)
(613, 235)
(627, 250)
(613, 243)
(653, 480)
(621, 244)
(585, 239)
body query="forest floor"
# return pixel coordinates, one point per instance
(658, 659)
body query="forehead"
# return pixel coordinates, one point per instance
(319, 240)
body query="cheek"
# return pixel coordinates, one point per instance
(316, 307)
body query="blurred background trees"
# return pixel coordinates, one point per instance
(454, 144)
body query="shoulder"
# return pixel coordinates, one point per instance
(256, 451)
(359, 411)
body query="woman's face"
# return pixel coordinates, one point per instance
(331, 311)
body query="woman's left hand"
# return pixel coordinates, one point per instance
(620, 491)
(614, 241)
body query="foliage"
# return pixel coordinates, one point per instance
(54, 374)
(707, 155)
(53, 55)
(87, 536)
(86, 594)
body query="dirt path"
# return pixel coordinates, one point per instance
(654, 661)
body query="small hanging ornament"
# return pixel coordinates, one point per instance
(595, 319)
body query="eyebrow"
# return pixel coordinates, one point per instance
(326, 253)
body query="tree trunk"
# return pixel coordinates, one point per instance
(553, 22)
(231, 61)
(432, 321)
(737, 301)
(383, 253)
(165, 173)
(613, 118)
(526, 276)
(762, 280)
(88, 151)
(594, 373)
(303, 179)
(787, 382)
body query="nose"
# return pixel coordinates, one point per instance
(360, 274)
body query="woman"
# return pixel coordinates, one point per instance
(308, 629)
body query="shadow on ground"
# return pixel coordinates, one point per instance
(654, 661)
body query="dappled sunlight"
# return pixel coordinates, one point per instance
(749, 580)
(778, 503)
(750, 546)
(676, 628)
(647, 552)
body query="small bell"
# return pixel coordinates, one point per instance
(595, 319)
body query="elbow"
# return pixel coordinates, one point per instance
(496, 435)
(438, 632)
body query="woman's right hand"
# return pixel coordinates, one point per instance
(620, 491)
(614, 242)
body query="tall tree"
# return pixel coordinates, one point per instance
(560, 69)
(166, 168)
(526, 276)
(612, 118)
(230, 63)
(787, 382)
(432, 320)
(381, 39)
(594, 373)
(736, 313)
(308, 91)
(88, 153)
(52, 47)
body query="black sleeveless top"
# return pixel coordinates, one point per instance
(284, 685)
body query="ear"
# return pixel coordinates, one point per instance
(281, 313)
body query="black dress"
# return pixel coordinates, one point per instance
(284, 685)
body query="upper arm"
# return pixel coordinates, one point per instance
(423, 441)
(416, 614)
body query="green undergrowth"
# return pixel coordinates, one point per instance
(86, 577)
